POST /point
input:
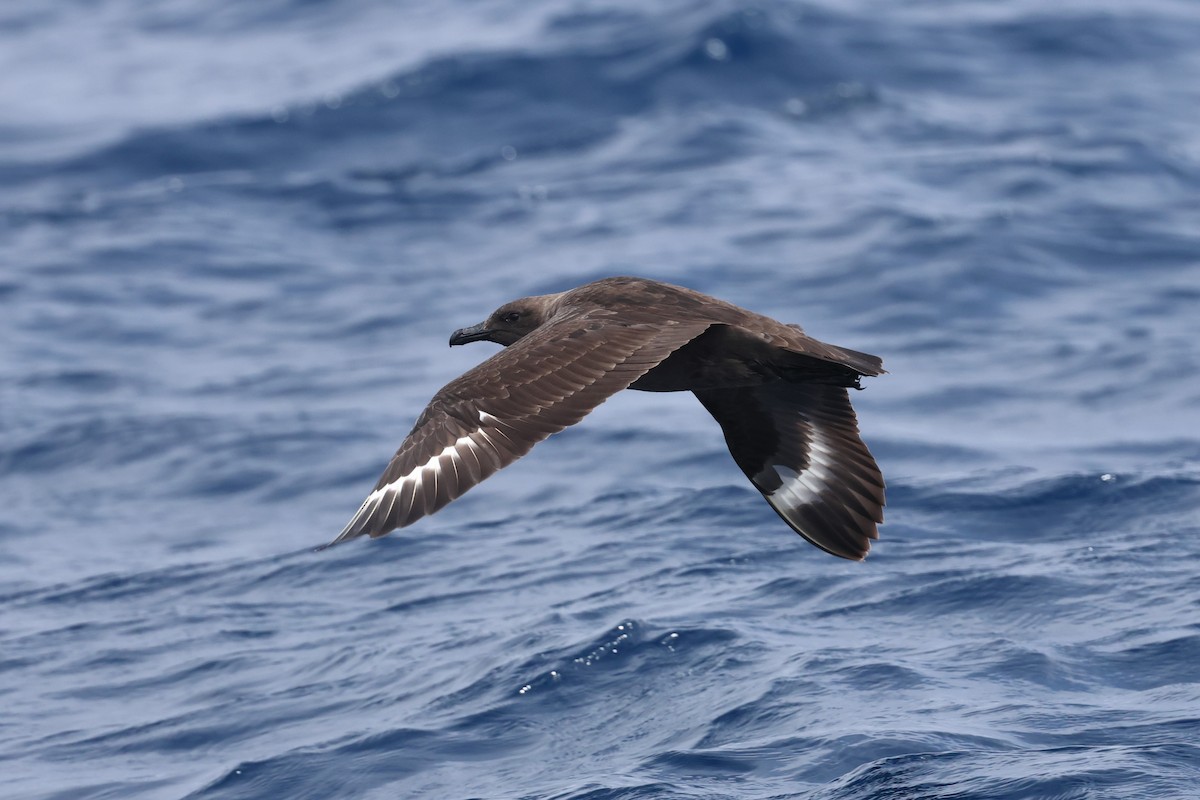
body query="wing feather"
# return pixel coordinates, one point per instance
(495, 413)
(800, 447)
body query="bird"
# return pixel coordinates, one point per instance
(780, 397)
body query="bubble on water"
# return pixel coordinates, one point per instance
(716, 49)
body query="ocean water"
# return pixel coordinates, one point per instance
(234, 238)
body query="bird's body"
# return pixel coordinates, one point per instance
(780, 397)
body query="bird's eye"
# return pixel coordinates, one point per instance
(510, 318)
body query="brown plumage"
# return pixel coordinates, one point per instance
(780, 398)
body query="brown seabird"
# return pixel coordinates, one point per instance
(779, 396)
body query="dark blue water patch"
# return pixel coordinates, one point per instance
(1021, 597)
(272, 381)
(1054, 773)
(378, 761)
(429, 118)
(730, 504)
(1010, 661)
(565, 678)
(234, 462)
(695, 764)
(881, 675)
(1111, 249)
(363, 200)
(783, 705)
(94, 442)
(114, 790)
(835, 757)
(216, 669)
(1146, 666)
(1157, 726)
(764, 59)
(198, 577)
(631, 791)
(1177, 454)
(1058, 506)
(933, 453)
(225, 20)
(437, 601)
(1089, 36)
(627, 644)
(75, 380)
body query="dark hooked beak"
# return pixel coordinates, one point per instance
(471, 334)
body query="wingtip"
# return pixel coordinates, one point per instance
(857, 558)
(345, 536)
(836, 531)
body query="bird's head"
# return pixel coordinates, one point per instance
(508, 323)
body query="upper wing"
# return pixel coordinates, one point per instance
(493, 414)
(799, 445)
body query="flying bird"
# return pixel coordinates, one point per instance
(779, 396)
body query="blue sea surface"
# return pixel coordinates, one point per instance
(234, 238)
